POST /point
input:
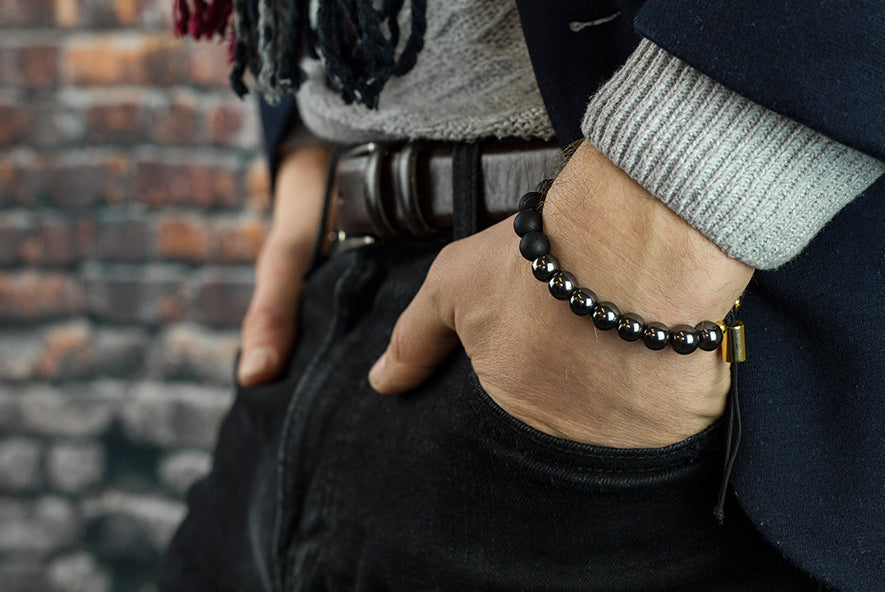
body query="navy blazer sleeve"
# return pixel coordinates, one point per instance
(819, 63)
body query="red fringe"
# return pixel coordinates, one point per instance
(209, 18)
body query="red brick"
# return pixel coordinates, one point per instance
(15, 230)
(238, 240)
(183, 238)
(190, 352)
(14, 186)
(113, 123)
(208, 65)
(38, 66)
(225, 124)
(27, 13)
(148, 295)
(258, 185)
(122, 237)
(60, 241)
(67, 13)
(71, 184)
(52, 125)
(68, 353)
(31, 296)
(16, 120)
(173, 124)
(203, 185)
(110, 61)
(222, 296)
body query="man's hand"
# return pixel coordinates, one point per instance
(556, 371)
(269, 325)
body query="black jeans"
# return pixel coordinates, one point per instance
(319, 483)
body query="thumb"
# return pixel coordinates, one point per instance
(422, 338)
(269, 326)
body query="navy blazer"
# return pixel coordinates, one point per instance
(811, 468)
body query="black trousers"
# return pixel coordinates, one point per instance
(319, 483)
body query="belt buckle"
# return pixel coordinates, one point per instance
(362, 217)
(377, 194)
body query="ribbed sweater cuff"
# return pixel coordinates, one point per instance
(756, 183)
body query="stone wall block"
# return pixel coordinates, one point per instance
(74, 411)
(43, 526)
(121, 353)
(20, 462)
(192, 352)
(222, 296)
(135, 294)
(34, 295)
(74, 467)
(177, 471)
(174, 415)
(78, 572)
(128, 524)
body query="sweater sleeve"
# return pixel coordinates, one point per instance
(755, 182)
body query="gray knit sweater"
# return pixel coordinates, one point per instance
(756, 183)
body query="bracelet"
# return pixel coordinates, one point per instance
(534, 246)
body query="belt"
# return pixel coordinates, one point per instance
(396, 190)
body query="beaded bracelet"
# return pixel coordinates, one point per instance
(683, 339)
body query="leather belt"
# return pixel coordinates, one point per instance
(395, 190)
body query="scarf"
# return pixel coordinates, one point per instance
(360, 42)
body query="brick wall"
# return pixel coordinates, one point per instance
(132, 202)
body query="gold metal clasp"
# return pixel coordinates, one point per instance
(734, 342)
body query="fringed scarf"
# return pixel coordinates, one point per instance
(357, 41)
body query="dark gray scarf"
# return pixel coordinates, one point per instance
(357, 39)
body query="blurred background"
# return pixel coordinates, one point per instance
(133, 200)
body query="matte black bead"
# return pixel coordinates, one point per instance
(684, 339)
(533, 245)
(562, 284)
(544, 267)
(530, 201)
(709, 335)
(630, 326)
(544, 186)
(655, 336)
(605, 316)
(582, 302)
(527, 221)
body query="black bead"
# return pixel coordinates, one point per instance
(709, 335)
(630, 326)
(533, 245)
(655, 336)
(544, 186)
(562, 284)
(527, 221)
(582, 302)
(544, 267)
(684, 339)
(530, 201)
(605, 316)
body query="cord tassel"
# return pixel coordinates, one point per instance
(734, 351)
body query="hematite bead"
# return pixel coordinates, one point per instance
(530, 201)
(544, 267)
(684, 339)
(655, 336)
(562, 284)
(582, 302)
(630, 326)
(544, 186)
(527, 221)
(605, 316)
(709, 335)
(533, 245)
